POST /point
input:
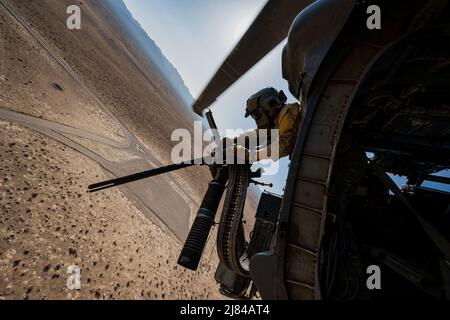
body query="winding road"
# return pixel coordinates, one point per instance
(173, 212)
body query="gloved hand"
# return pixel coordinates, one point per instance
(237, 154)
(241, 154)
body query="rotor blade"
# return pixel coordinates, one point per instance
(270, 27)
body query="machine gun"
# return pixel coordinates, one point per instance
(233, 250)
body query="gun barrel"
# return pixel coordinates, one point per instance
(138, 176)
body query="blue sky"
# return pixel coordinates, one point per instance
(196, 36)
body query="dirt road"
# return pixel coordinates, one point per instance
(147, 193)
(77, 108)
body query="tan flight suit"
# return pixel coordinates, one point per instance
(288, 123)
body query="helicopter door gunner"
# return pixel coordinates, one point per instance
(269, 110)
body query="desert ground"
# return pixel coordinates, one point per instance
(78, 107)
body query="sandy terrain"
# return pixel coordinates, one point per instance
(48, 223)
(78, 107)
